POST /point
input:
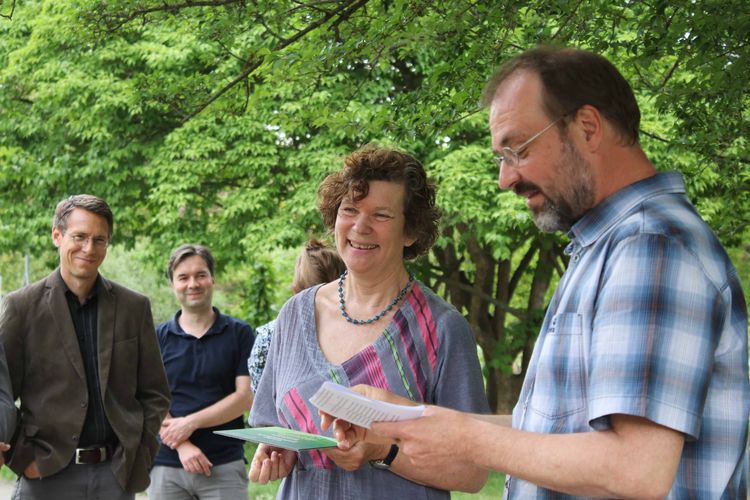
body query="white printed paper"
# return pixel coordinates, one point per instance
(343, 403)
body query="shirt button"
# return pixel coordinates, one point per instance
(83, 404)
(74, 437)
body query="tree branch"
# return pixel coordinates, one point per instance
(693, 148)
(653, 136)
(342, 15)
(12, 10)
(669, 74)
(518, 313)
(522, 266)
(566, 20)
(118, 20)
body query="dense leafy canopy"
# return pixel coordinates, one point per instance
(214, 121)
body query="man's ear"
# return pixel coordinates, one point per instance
(591, 124)
(57, 236)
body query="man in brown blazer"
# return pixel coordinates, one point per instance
(85, 363)
(7, 408)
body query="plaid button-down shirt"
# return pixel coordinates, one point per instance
(648, 320)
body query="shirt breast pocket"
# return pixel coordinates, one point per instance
(560, 383)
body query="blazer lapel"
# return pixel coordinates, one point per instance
(105, 328)
(60, 313)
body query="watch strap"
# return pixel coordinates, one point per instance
(385, 463)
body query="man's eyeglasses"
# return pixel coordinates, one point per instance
(81, 240)
(512, 157)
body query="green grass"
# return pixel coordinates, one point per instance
(493, 489)
(263, 492)
(7, 475)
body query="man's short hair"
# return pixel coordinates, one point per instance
(572, 78)
(87, 202)
(188, 250)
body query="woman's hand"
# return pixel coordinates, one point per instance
(347, 434)
(271, 464)
(352, 458)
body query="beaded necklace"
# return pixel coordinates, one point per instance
(382, 313)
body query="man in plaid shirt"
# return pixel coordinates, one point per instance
(638, 384)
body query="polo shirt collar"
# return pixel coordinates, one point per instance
(619, 205)
(220, 324)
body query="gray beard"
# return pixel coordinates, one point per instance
(549, 219)
(563, 208)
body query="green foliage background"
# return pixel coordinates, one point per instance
(214, 122)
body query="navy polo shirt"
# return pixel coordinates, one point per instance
(202, 371)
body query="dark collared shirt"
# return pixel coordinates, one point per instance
(201, 372)
(96, 428)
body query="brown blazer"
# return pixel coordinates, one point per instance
(47, 374)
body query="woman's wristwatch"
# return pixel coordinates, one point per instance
(385, 463)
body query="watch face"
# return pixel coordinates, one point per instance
(379, 464)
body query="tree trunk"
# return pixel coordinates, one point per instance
(507, 386)
(484, 295)
(539, 286)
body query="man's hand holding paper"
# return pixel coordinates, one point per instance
(344, 403)
(348, 433)
(429, 440)
(433, 440)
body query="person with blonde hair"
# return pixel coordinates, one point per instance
(316, 263)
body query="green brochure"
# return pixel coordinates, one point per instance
(281, 437)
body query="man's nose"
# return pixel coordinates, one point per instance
(507, 177)
(88, 244)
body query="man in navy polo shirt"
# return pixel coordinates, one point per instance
(205, 356)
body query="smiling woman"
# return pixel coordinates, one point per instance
(370, 233)
(370, 164)
(375, 325)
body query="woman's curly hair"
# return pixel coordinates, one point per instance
(374, 163)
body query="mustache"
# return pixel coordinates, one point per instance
(523, 188)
